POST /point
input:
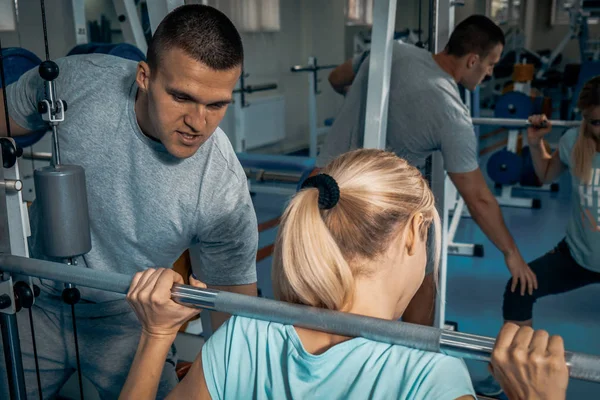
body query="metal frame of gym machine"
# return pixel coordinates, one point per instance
(380, 63)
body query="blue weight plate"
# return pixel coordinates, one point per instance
(123, 50)
(29, 140)
(127, 51)
(16, 62)
(504, 167)
(513, 105)
(86, 48)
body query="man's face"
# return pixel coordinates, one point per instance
(478, 69)
(186, 101)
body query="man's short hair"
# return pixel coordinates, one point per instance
(477, 34)
(203, 32)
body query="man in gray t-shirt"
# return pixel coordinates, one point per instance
(161, 178)
(426, 114)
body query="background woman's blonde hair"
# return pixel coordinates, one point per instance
(319, 253)
(584, 149)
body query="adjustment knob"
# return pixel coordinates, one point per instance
(10, 152)
(23, 295)
(71, 296)
(42, 107)
(48, 70)
(4, 301)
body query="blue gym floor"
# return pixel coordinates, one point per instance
(475, 285)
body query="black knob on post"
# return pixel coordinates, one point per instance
(48, 70)
(42, 107)
(71, 296)
(23, 295)
(4, 301)
(10, 152)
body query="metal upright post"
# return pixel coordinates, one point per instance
(158, 9)
(81, 36)
(443, 25)
(380, 66)
(312, 109)
(8, 317)
(130, 23)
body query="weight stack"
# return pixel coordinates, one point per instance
(62, 198)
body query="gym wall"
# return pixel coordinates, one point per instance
(61, 28)
(308, 28)
(547, 36)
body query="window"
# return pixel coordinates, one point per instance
(499, 11)
(359, 12)
(249, 15)
(560, 13)
(7, 16)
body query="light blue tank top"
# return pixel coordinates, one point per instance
(253, 359)
(583, 229)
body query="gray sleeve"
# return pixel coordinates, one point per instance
(23, 97)
(358, 60)
(459, 146)
(226, 252)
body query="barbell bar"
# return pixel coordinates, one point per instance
(581, 366)
(262, 175)
(521, 123)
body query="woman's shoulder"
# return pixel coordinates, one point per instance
(569, 138)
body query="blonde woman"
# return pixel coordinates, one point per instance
(575, 261)
(353, 240)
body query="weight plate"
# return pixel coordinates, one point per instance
(123, 50)
(504, 167)
(86, 48)
(127, 51)
(16, 62)
(513, 105)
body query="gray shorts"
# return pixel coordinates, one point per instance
(107, 346)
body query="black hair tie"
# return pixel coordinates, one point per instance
(329, 191)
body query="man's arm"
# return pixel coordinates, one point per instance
(15, 129)
(342, 77)
(484, 208)
(225, 258)
(218, 318)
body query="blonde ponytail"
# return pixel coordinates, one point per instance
(583, 155)
(309, 267)
(319, 253)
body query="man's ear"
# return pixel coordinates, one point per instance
(142, 75)
(472, 60)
